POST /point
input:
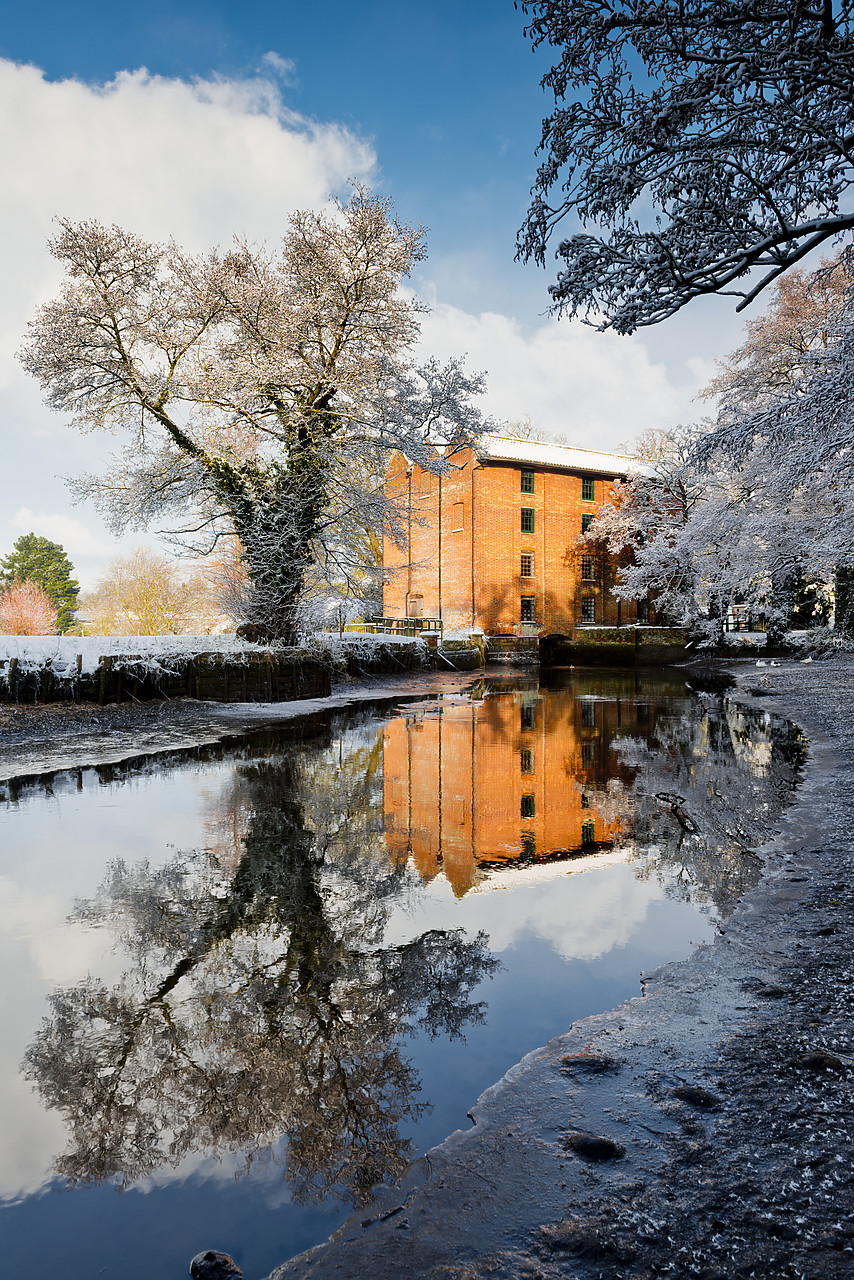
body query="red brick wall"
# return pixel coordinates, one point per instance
(466, 548)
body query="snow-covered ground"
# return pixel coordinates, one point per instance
(62, 652)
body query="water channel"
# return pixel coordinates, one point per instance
(247, 983)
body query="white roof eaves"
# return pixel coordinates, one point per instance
(492, 448)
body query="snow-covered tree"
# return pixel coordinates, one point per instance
(800, 440)
(257, 389)
(770, 365)
(770, 361)
(690, 143)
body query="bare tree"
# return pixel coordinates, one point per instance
(690, 143)
(249, 381)
(798, 319)
(27, 610)
(146, 594)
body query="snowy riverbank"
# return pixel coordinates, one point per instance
(727, 1087)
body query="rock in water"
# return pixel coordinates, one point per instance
(697, 1096)
(211, 1265)
(820, 1060)
(594, 1147)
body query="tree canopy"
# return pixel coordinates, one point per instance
(757, 507)
(690, 143)
(38, 560)
(259, 391)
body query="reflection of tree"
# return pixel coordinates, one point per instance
(257, 1004)
(736, 768)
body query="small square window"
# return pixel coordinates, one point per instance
(527, 613)
(527, 717)
(586, 521)
(527, 521)
(527, 569)
(588, 490)
(527, 481)
(526, 760)
(527, 807)
(588, 609)
(588, 832)
(588, 568)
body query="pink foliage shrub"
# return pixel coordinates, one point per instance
(26, 610)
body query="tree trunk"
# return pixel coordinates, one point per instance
(843, 618)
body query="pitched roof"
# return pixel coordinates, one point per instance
(504, 449)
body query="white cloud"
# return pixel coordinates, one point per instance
(75, 537)
(198, 161)
(598, 389)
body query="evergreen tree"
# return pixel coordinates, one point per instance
(44, 562)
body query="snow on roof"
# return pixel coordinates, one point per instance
(504, 449)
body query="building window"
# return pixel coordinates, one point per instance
(588, 609)
(526, 760)
(588, 714)
(585, 800)
(529, 845)
(527, 718)
(588, 832)
(457, 516)
(587, 755)
(527, 524)
(527, 807)
(527, 614)
(588, 490)
(527, 569)
(527, 482)
(586, 521)
(588, 568)
(643, 610)
(426, 483)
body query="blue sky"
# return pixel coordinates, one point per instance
(204, 120)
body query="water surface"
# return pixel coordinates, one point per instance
(247, 983)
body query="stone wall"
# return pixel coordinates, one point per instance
(266, 676)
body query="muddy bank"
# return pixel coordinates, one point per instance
(55, 736)
(704, 1129)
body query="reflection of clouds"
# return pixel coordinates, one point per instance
(583, 915)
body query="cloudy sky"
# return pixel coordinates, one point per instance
(202, 120)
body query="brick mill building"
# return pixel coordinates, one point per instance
(491, 544)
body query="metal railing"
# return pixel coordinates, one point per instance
(397, 626)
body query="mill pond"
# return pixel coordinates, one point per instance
(253, 980)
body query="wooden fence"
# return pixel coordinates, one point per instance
(266, 676)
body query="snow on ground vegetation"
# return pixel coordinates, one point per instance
(61, 652)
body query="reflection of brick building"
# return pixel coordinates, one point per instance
(512, 777)
(492, 543)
